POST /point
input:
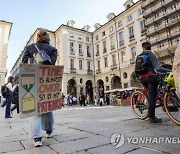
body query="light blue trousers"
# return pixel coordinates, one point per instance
(41, 122)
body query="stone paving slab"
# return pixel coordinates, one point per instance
(79, 145)
(143, 150)
(40, 150)
(110, 150)
(11, 146)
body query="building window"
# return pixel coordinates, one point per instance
(119, 23)
(125, 75)
(114, 60)
(80, 48)
(97, 37)
(80, 64)
(112, 43)
(129, 18)
(122, 56)
(71, 47)
(81, 80)
(103, 33)
(71, 35)
(107, 79)
(121, 39)
(133, 52)
(142, 25)
(98, 64)
(111, 28)
(87, 39)
(105, 62)
(131, 32)
(72, 63)
(80, 37)
(140, 11)
(104, 47)
(89, 65)
(97, 50)
(88, 51)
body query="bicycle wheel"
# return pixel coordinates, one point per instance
(172, 105)
(139, 104)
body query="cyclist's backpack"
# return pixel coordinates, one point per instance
(142, 64)
(4, 90)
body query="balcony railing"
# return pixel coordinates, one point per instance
(114, 66)
(72, 70)
(89, 72)
(112, 47)
(131, 38)
(98, 71)
(104, 50)
(121, 43)
(88, 54)
(97, 53)
(80, 53)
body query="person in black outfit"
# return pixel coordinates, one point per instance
(149, 80)
(16, 99)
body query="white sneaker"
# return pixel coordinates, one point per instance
(37, 142)
(48, 135)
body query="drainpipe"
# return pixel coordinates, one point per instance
(118, 50)
(94, 73)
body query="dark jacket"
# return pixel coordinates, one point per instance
(31, 49)
(154, 63)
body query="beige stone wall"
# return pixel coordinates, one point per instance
(5, 28)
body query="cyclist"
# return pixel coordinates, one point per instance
(149, 66)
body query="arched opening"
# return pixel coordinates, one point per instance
(116, 82)
(100, 86)
(89, 89)
(135, 82)
(71, 87)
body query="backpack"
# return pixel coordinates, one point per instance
(142, 64)
(4, 90)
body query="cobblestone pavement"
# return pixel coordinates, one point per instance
(84, 130)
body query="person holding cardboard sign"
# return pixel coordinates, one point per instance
(44, 121)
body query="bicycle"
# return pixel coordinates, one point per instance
(166, 98)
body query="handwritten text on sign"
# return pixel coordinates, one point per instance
(49, 88)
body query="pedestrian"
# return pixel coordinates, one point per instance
(101, 99)
(96, 98)
(15, 99)
(9, 96)
(87, 100)
(145, 69)
(68, 99)
(45, 121)
(83, 99)
(107, 99)
(74, 100)
(62, 97)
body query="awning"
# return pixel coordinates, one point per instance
(120, 90)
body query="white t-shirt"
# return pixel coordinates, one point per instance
(10, 87)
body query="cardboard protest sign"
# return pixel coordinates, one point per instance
(40, 89)
(176, 69)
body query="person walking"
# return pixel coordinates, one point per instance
(101, 99)
(15, 99)
(9, 96)
(45, 121)
(145, 69)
